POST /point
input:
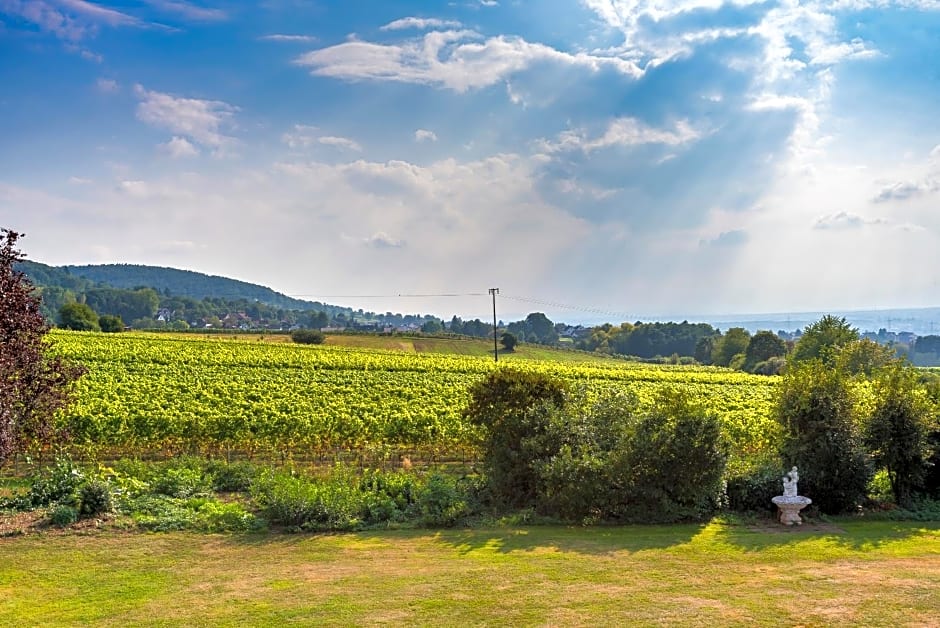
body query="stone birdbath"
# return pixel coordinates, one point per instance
(790, 503)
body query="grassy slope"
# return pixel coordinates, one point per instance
(870, 573)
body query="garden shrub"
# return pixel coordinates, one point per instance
(672, 462)
(231, 477)
(181, 481)
(95, 498)
(56, 483)
(440, 502)
(896, 433)
(751, 488)
(616, 459)
(816, 411)
(63, 515)
(510, 406)
(331, 503)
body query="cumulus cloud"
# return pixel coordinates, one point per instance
(419, 23)
(459, 60)
(200, 121)
(845, 220)
(900, 191)
(179, 147)
(423, 135)
(624, 131)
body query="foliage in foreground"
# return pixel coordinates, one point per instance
(343, 500)
(607, 459)
(33, 383)
(818, 412)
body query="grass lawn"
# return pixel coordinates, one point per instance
(849, 573)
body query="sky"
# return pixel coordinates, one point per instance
(620, 159)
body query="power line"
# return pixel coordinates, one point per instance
(565, 306)
(554, 304)
(387, 296)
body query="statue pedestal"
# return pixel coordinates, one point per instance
(790, 508)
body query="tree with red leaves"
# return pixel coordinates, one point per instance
(33, 383)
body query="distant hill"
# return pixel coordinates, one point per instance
(184, 283)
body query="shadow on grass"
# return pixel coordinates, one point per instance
(596, 540)
(755, 537)
(849, 533)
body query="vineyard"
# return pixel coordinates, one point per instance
(150, 393)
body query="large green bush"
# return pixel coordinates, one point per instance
(672, 462)
(817, 411)
(897, 431)
(511, 406)
(612, 458)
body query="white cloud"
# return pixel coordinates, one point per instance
(303, 136)
(289, 38)
(382, 240)
(423, 135)
(47, 17)
(199, 120)
(79, 181)
(623, 131)
(91, 56)
(98, 13)
(457, 60)
(339, 142)
(902, 190)
(845, 220)
(107, 85)
(419, 23)
(179, 147)
(189, 10)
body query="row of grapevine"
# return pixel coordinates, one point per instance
(150, 392)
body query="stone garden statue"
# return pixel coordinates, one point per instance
(789, 483)
(790, 503)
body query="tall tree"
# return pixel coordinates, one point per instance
(897, 431)
(763, 346)
(33, 383)
(733, 343)
(823, 338)
(78, 317)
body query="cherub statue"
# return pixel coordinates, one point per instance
(789, 483)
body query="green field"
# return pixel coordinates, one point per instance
(847, 573)
(146, 393)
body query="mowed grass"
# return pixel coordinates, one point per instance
(872, 573)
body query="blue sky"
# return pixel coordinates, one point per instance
(641, 158)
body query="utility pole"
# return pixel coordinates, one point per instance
(494, 292)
